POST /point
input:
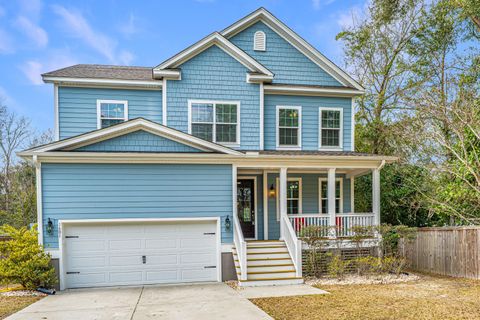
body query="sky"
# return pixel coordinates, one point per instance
(38, 36)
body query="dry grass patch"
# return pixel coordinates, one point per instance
(10, 305)
(429, 298)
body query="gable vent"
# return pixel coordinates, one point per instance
(259, 40)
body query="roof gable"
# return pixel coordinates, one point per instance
(100, 135)
(294, 39)
(213, 39)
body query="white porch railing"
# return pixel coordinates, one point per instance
(240, 246)
(294, 245)
(343, 222)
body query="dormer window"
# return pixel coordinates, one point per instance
(259, 41)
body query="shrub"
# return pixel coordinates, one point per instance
(393, 265)
(367, 265)
(24, 261)
(314, 237)
(337, 266)
(391, 235)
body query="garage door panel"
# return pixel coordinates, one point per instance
(126, 244)
(111, 254)
(160, 244)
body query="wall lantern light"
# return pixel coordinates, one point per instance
(227, 223)
(49, 227)
(271, 192)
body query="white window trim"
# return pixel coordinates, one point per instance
(277, 129)
(214, 102)
(263, 45)
(99, 112)
(300, 195)
(330, 148)
(320, 180)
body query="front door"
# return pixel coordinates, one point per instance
(246, 206)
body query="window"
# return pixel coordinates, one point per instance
(294, 196)
(289, 122)
(259, 41)
(215, 121)
(323, 195)
(111, 112)
(331, 124)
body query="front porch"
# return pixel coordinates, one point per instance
(277, 203)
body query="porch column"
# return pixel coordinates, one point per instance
(376, 196)
(331, 201)
(282, 198)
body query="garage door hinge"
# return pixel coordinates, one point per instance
(71, 272)
(71, 237)
(209, 233)
(210, 267)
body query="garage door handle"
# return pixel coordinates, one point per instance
(73, 272)
(144, 259)
(210, 267)
(209, 233)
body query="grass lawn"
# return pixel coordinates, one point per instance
(429, 298)
(10, 305)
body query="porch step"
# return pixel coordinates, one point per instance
(268, 263)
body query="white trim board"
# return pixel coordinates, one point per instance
(320, 180)
(320, 128)
(63, 81)
(310, 91)
(277, 129)
(295, 40)
(300, 194)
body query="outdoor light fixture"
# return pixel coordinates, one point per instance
(271, 192)
(50, 227)
(227, 223)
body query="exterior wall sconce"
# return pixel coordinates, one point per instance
(228, 224)
(271, 192)
(49, 227)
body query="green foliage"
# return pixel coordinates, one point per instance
(315, 238)
(376, 266)
(337, 266)
(390, 237)
(24, 260)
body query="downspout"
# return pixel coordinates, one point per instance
(38, 183)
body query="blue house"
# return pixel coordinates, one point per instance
(203, 168)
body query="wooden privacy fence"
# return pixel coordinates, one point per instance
(450, 251)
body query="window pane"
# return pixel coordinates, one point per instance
(330, 119)
(337, 189)
(293, 189)
(324, 206)
(204, 131)
(331, 137)
(288, 136)
(288, 118)
(292, 206)
(110, 122)
(226, 133)
(112, 110)
(202, 112)
(226, 113)
(337, 206)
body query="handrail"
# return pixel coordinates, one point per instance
(241, 247)
(294, 245)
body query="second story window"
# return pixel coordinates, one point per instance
(289, 123)
(215, 121)
(331, 120)
(110, 112)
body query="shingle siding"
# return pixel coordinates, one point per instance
(215, 75)
(289, 65)
(138, 141)
(112, 191)
(310, 112)
(78, 107)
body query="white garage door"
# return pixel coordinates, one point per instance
(139, 253)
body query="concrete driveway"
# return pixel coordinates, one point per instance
(198, 301)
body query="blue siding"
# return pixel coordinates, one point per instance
(310, 194)
(78, 107)
(104, 191)
(215, 75)
(138, 141)
(289, 65)
(310, 125)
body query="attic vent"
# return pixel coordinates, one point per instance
(259, 40)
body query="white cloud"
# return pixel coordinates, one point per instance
(31, 8)
(317, 4)
(33, 69)
(130, 28)
(78, 26)
(348, 19)
(2, 12)
(6, 42)
(33, 31)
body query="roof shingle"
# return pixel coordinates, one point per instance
(97, 71)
